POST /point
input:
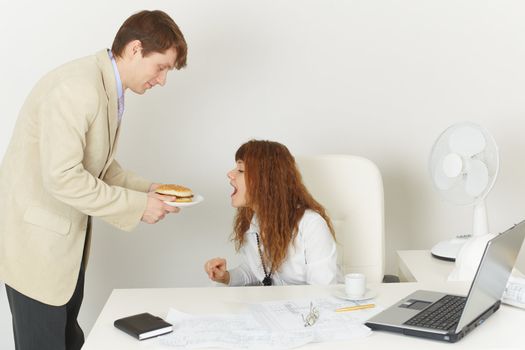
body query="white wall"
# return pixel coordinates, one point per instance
(375, 78)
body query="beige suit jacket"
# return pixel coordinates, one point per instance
(57, 171)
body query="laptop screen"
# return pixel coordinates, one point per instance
(493, 273)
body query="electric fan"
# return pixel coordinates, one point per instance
(463, 164)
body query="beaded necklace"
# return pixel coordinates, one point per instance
(267, 281)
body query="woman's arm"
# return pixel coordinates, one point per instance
(320, 251)
(242, 275)
(216, 269)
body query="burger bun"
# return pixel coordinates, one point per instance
(181, 193)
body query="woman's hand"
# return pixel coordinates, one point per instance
(216, 270)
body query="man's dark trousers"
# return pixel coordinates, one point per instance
(38, 326)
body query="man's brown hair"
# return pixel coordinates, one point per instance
(157, 32)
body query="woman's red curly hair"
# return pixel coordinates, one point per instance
(275, 191)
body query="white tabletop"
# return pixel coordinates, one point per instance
(421, 266)
(504, 329)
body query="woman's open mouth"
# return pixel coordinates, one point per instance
(234, 189)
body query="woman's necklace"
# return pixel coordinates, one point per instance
(267, 281)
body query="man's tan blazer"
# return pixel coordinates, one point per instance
(57, 171)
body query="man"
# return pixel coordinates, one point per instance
(59, 170)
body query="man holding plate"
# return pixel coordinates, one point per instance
(59, 171)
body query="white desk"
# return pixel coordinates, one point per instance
(421, 266)
(504, 329)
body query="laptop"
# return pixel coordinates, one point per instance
(447, 317)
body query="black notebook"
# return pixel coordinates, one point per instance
(143, 326)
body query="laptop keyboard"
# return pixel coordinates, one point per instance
(443, 314)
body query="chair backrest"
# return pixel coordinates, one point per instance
(351, 190)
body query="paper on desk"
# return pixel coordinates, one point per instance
(515, 292)
(224, 331)
(276, 325)
(286, 317)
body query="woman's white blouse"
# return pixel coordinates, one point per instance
(311, 259)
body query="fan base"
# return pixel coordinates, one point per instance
(448, 250)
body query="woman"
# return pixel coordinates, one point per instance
(284, 235)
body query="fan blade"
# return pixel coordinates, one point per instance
(467, 141)
(477, 178)
(441, 180)
(452, 165)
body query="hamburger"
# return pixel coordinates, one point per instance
(181, 193)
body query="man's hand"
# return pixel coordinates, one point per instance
(156, 209)
(153, 187)
(216, 270)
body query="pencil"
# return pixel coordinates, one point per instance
(356, 307)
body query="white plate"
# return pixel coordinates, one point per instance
(196, 200)
(368, 295)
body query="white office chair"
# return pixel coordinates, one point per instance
(351, 190)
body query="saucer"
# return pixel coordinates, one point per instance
(369, 294)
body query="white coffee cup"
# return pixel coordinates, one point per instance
(355, 285)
